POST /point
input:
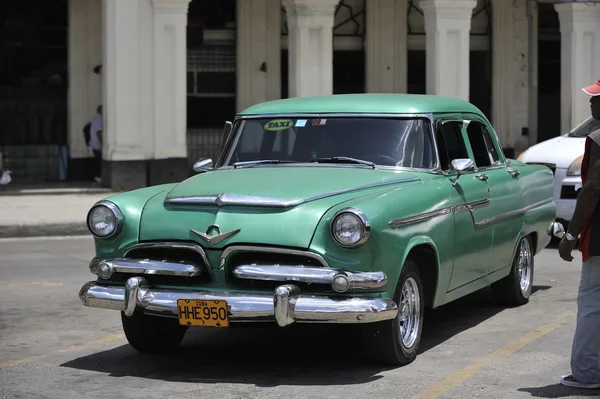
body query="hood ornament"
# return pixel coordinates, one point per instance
(215, 239)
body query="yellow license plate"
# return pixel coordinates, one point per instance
(202, 312)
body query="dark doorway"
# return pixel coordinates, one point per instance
(33, 88)
(548, 73)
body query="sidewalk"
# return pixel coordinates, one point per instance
(27, 211)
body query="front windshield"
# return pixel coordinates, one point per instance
(589, 126)
(383, 141)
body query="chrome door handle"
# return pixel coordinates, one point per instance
(482, 176)
(514, 173)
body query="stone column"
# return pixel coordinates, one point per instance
(386, 48)
(257, 56)
(447, 27)
(580, 59)
(123, 150)
(169, 46)
(144, 76)
(510, 80)
(310, 46)
(85, 86)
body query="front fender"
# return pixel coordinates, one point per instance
(441, 276)
(131, 204)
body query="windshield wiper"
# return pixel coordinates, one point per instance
(260, 162)
(343, 160)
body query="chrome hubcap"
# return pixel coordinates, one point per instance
(409, 312)
(524, 263)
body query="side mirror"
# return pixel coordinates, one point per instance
(556, 229)
(203, 165)
(461, 166)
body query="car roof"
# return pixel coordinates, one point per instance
(367, 103)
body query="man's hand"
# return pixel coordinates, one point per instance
(565, 247)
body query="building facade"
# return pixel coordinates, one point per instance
(169, 73)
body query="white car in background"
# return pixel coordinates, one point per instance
(563, 154)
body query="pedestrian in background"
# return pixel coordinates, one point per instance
(95, 143)
(585, 353)
(4, 174)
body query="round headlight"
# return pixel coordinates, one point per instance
(104, 219)
(575, 167)
(350, 227)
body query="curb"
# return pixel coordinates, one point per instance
(61, 229)
(75, 191)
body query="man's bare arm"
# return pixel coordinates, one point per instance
(589, 195)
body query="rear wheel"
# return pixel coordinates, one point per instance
(152, 334)
(515, 289)
(395, 342)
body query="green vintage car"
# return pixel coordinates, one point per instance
(353, 209)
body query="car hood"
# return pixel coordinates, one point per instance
(270, 205)
(561, 151)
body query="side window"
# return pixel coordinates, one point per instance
(483, 147)
(450, 143)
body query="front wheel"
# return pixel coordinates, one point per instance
(515, 289)
(395, 342)
(152, 334)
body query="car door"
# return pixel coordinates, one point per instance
(505, 215)
(470, 195)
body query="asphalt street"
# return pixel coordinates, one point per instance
(51, 346)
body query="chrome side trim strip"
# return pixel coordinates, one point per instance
(309, 275)
(163, 268)
(510, 214)
(421, 217)
(467, 207)
(470, 206)
(246, 248)
(249, 200)
(285, 305)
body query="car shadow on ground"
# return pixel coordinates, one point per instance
(271, 356)
(560, 391)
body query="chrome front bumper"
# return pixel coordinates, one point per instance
(286, 305)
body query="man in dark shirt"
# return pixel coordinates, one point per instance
(585, 354)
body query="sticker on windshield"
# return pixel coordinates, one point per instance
(301, 123)
(278, 124)
(319, 122)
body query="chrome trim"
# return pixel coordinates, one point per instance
(172, 245)
(274, 250)
(556, 229)
(212, 240)
(470, 206)
(309, 275)
(94, 263)
(421, 217)
(142, 266)
(510, 214)
(285, 298)
(222, 200)
(285, 305)
(133, 294)
(115, 210)
(363, 219)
